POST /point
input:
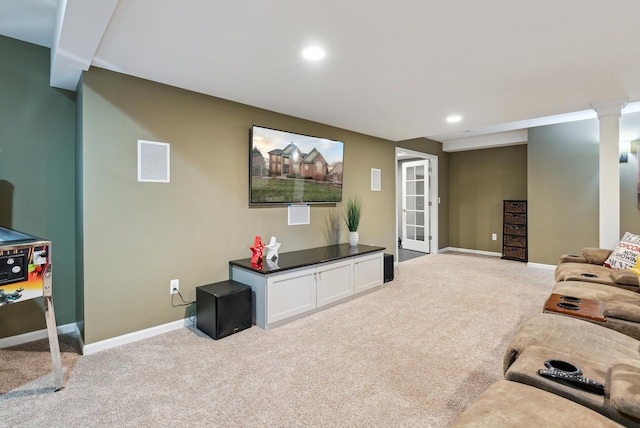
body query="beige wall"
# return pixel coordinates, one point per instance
(138, 236)
(479, 180)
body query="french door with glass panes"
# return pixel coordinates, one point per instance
(415, 206)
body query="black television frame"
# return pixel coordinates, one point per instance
(288, 168)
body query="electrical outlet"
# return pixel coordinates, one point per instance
(174, 286)
(494, 236)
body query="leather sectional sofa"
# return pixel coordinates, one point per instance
(590, 267)
(605, 353)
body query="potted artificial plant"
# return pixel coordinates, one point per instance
(352, 218)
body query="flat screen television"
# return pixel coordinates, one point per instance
(290, 168)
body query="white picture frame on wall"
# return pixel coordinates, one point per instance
(154, 162)
(376, 179)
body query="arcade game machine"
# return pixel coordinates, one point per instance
(25, 273)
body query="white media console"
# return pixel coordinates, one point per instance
(301, 282)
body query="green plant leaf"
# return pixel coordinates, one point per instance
(352, 213)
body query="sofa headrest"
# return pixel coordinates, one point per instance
(596, 256)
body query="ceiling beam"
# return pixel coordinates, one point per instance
(499, 139)
(80, 26)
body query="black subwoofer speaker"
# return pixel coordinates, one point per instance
(223, 308)
(388, 267)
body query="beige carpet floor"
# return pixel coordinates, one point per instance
(414, 353)
(26, 363)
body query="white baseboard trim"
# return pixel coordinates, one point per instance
(541, 265)
(465, 250)
(489, 253)
(37, 335)
(114, 342)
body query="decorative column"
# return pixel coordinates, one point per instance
(609, 113)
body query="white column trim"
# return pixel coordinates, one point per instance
(609, 113)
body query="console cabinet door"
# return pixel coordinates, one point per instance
(368, 272)
(290, 294)
(334, 282)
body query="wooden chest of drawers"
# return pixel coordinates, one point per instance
(514, 233)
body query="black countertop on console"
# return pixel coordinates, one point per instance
(302, 258)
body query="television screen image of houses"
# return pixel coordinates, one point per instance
(289, 168)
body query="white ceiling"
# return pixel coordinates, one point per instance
(394, 69)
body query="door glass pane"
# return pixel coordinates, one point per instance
(411, 202)
(410, 173)
(419, 203)
(411, 232)
(420, 218)
(419, 187)
(420, 172)
(411, 188)
(411, 217)
(419, 233)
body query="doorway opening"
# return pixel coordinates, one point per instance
(416, 204)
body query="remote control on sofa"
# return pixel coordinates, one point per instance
(573, 380)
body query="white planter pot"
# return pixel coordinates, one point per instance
(353, 238)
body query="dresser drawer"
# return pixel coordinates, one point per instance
(512, 218)
(515, 241)
(514, 252)
(515, 207)
(515, 229)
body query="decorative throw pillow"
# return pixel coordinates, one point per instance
(625, 254)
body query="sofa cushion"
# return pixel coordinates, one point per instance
(626, 252)
(596, 256)
(586, 272)
(624, 387)
(511, 404)
(572, 336)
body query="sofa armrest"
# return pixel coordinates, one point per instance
(596, 256)
(625, 276)
(623, 310)
(624, 394)
(572, 258)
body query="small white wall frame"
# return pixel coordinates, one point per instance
(376, 179)
(299, 214)
(153, 162)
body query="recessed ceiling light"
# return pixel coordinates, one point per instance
(454, 118)
(314, 53)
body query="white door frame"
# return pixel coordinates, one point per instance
(415, 243)
(433, 194)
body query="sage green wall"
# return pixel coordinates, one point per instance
(479, 180)
(37, 174)
(629, 213)
(563, 189)
(79, 203)
(139, 236)
(425, 145)
(629, 194)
